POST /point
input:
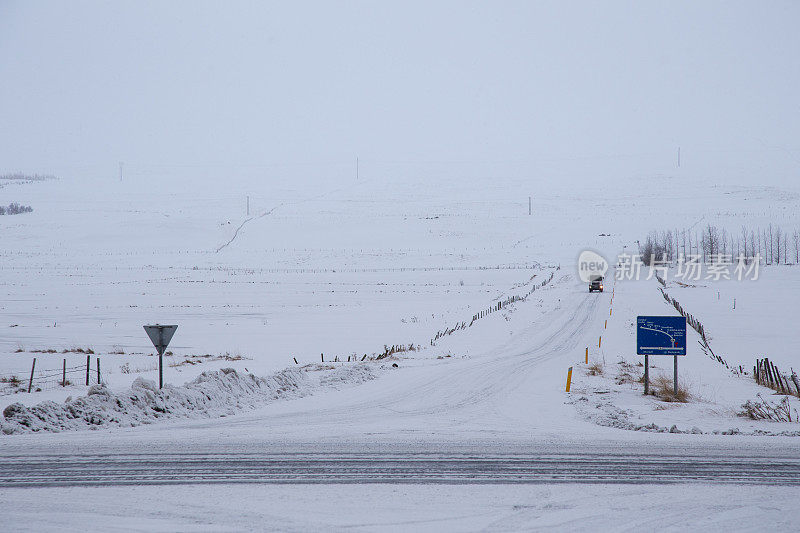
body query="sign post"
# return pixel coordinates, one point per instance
(660, 335)
(160, 337)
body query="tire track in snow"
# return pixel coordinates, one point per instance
(402, 467)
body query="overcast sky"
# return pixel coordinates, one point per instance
(93, 83)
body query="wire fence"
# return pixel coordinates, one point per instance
(498, 306)
(39, 379)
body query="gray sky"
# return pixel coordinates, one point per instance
(93, 83)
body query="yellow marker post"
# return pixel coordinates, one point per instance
(587, 355)
(569, 378)
(599, 340)
(609, 312)
(605, 324)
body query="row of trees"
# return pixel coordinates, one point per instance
(15, 209)
(772, 244)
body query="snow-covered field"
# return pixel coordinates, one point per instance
(345, 269)
(367, 221)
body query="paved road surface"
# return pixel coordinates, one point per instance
(150, 469)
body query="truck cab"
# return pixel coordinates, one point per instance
(596, 284)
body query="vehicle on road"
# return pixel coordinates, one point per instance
(596, 284)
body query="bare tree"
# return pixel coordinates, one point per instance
(711, 242)
(771, 249)
(700, 242)
(684, 243)
(724, 240)
(785, 249)
(676, 251)
(744, 240)
(796, 238)
(666, 246)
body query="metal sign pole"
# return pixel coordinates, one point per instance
(160, 358)
(675, 391)
(646, 374)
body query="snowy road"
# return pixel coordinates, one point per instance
(481, 442)
(489, 419)
(156, 469)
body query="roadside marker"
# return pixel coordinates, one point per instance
(605, 325)
(587, 355)
(599, 340)
(609, 312)
(160, 337)
(569, 378)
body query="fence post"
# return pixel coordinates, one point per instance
(88, 362)
(30, 381)
(768, 371)
(778, 376)
(98, 371)
(64, 374)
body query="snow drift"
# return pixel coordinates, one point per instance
(211, 394)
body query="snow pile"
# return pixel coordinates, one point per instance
(615, 403)
(211, 394)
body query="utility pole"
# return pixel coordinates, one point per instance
(120, 171)
(529, 205)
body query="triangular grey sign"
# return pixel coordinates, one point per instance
(160, 336)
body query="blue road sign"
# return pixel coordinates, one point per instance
(660, 335)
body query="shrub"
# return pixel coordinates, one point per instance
(15, 209)
(764, 410)
(664, 388)
(596, 369)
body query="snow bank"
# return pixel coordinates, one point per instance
(615, 400)
(211, 394)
